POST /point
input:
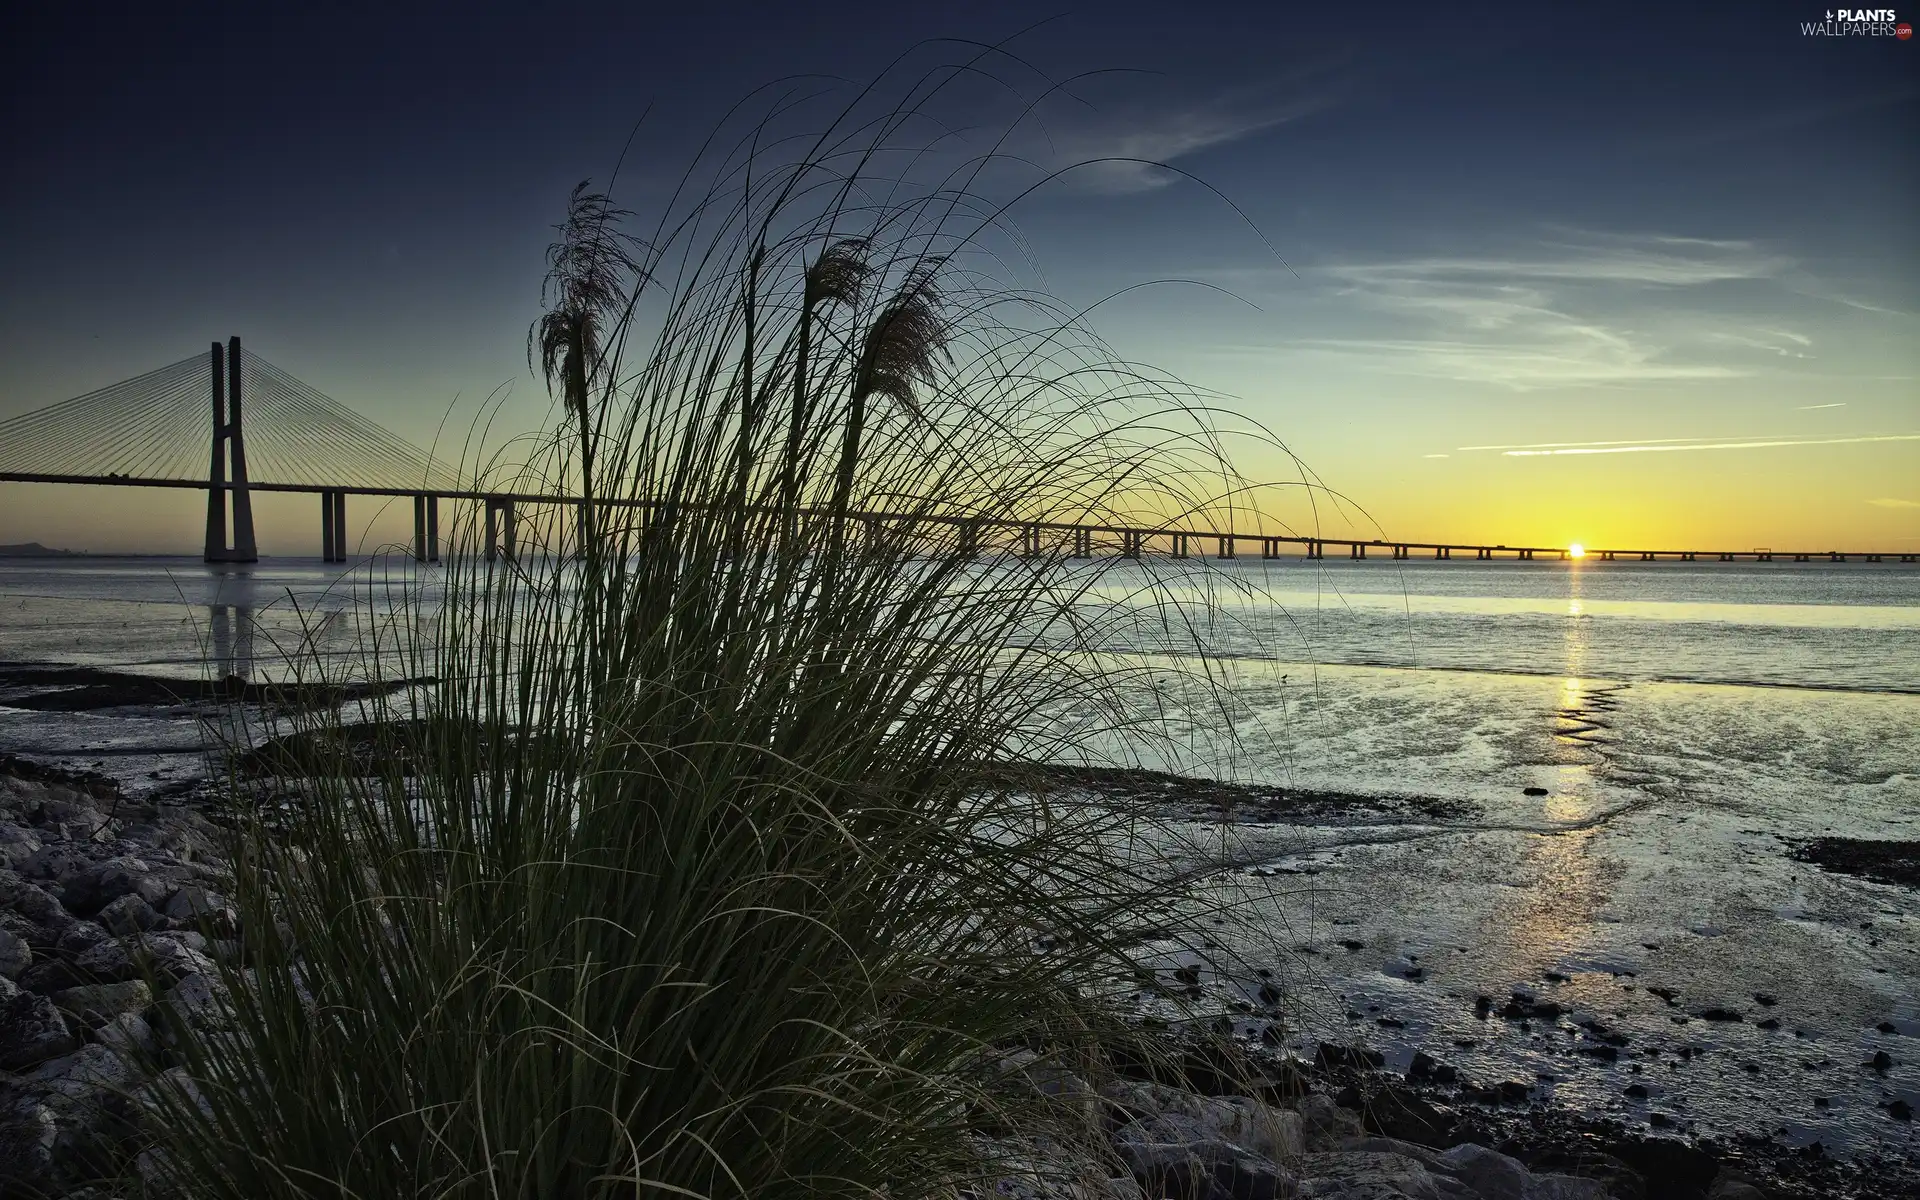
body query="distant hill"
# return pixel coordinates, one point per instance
(34, 550)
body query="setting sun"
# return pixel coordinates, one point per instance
(1576, 551)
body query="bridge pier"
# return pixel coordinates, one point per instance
(1269, 547)
(1082, 543)
(501, 531)
(333, 526)
(426, 528)
(1226, 547)
(1129, 544)
(228, 440)
(1356, 550)
(1030, 541)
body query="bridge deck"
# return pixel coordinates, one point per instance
(1134, 540)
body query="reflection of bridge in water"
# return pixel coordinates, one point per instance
(156, 430)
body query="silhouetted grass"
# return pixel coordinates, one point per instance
(706, 869)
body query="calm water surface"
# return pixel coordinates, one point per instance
(1687, 722)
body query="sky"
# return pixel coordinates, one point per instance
(1621, 275)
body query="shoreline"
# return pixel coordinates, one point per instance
(1510, 1114)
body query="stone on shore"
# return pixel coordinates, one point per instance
(32, 1029)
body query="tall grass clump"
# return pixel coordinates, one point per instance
(716, 863)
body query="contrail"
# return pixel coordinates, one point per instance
(1651, 447)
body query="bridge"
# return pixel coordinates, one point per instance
(158, 429)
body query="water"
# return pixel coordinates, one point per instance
(1688, 723)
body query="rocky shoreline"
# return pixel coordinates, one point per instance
(112, 919)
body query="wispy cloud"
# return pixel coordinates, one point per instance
(1890, 502)
(1120, 144)
(1570, 310)
(1667, 445)
(1811, 407)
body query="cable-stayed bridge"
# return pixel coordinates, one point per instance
(182, 426)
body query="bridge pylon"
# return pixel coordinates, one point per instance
(228, 443)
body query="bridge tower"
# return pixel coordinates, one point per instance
(228, 441)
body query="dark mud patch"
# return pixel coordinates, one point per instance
(1896, 863)
(1217, 802)
(42, 688)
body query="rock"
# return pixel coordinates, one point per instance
(1239, 1121)
(90, 890)
(1360, 1174)
(1881, 1061)
(80, 935)
(1620, 1181)
(1171, 1161)
(1334, 1054)
(1534, 791)
(1731, 1187)
(1668, 1164)
(15, 955)
(199, 997)
(1720, 1014)
(1524, 1005)
(1508, 1091)
(1491, 1174)
(31, 1030)
(1899, 1110)
(28, 1133)
(128, 916)
(50, 975)
(129, 1035)
(17, 843)
(95, 1004)
(193, 904)
(1325, 1124)
(1040, 1168)
(1399, 1113)
(33, 902)
(170, 956)
(1425, 1068)
(1565, 1187)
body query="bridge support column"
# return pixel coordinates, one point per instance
(426, 528)
(228, 442)
(326, 527)
(500, 529)
(1180, 545)
(1226, 547)
(1082, 543)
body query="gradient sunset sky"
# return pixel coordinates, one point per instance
(1552, 273)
